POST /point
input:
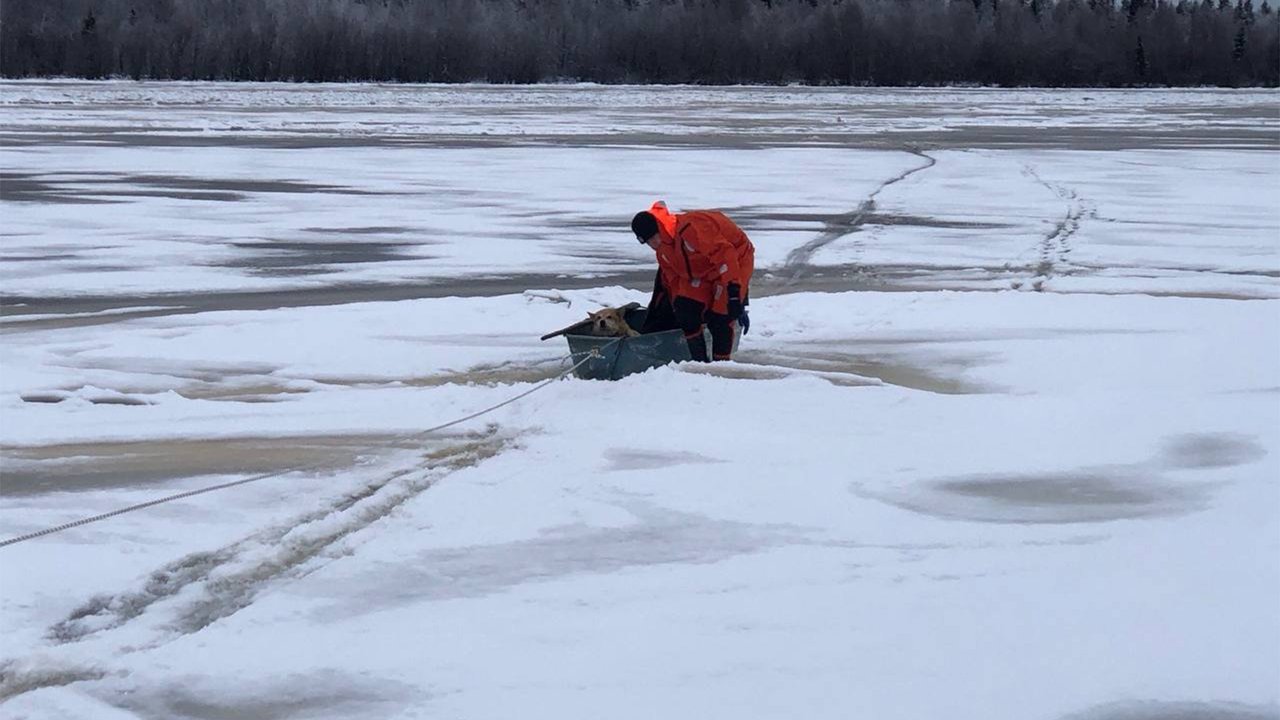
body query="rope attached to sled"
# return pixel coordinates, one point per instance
(593, 353)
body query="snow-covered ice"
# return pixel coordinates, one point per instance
(1003, 442)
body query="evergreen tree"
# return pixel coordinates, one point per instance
(89, 51)
(1002, 42)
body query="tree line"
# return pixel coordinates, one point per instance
(1053, 43)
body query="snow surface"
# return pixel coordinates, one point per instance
(943, 495)
(795, 115)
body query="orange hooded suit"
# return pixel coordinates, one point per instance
(702, 252)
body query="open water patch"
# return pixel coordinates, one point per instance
(1161, 710)
(28, 187)
(73, 467)
(1073, 496)
(321, 693)
(1206, 451)
(634, 459)
(288, 258)
(99, 187)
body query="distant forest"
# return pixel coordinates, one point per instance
(1055, 43)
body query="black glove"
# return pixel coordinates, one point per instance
(744, 321)
(735, 301)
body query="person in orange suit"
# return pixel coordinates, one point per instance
(705, 263)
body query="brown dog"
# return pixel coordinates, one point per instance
(610, 322)
(607, 322)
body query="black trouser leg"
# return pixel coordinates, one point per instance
(688, 314)
(721, 335)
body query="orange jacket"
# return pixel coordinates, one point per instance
(707, 251)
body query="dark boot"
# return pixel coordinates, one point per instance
(697, 347)
(688, 313)
(721, 328)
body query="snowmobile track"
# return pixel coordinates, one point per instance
(798, 261)
(1055, 248)
(205, 587)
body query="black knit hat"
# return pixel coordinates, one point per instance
(644, 225)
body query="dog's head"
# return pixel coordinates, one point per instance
(609, 322)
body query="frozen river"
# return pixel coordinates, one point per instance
(1004, 441)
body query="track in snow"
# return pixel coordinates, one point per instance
(798, 260)
(1055, 247)
(189, 594)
